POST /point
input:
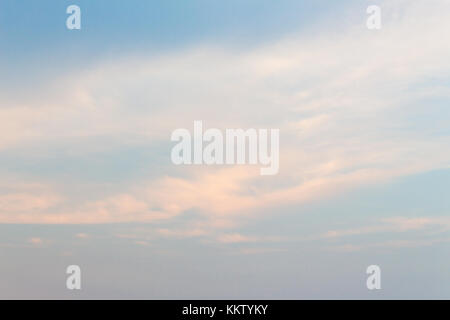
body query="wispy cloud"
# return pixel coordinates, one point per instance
(394, 225)
(348, 107)
(36, 241)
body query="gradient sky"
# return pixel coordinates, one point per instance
(86, 177)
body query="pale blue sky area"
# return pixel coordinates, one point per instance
(35, 40)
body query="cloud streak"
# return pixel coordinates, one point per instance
(348, 107)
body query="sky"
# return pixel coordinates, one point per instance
(86, 177)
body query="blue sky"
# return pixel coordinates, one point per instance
(86, 176)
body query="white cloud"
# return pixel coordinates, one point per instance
(348, 106)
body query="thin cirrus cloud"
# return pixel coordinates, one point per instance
(348, 107)
(396, 224)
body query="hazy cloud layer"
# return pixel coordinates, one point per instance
(353, 109)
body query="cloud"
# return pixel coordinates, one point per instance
(394, 225)
(186, 233)
(251, 251)
(236, 238)
(233, 238)
(413, 233)
(393, 244)
(25, 202)
(36, 241)
(142, 243)
(348, 107)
